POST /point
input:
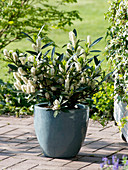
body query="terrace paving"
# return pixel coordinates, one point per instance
(19, 148)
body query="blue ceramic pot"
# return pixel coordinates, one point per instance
(60, 137)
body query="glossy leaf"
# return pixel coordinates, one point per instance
(64, 45)
(53, 53)
(46, 45)
(95, 42)
(32, 52)
(70, 51)
(75, 32)
(30, 38)
(39, 55)
(46, 53)
(60, 58)
(96, 51)
(96, 60)
(13, 67)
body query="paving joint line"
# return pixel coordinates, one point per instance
(102, 147)
(16, 163)
(9, 131)
(3, 126)
(92, 141)
(87, 165)
(33, 167)
(32, 147)
(105, 128)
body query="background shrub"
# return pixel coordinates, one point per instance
(104, 103)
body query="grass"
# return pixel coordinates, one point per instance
(93, 24)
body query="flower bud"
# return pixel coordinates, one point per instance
(52, 71)
(82, 52)
(67, 84)
(79, 50)
(69, 46)
(23, 88)
(22, 59)
(47, 95)
(72, 38)
(78, 66)
(75, 57)
(15, 57)
(82, 81)
(28, 88)
(24, 79)
(89, 40)
(56, 104)
(21, 71)
(40, 76)
(35, 47)
(5, 51)
(53, 88)
(60, 80)
(60, 68)
(32, 89)
(41, 86)
(17, 85)
(35, 78)
(33, 70)
(10, 51)
(30, 82)
(31, 58)
(16, 76)
(38, 42)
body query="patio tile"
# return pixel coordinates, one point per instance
(19, 148)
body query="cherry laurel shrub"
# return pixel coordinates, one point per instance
(61, 79)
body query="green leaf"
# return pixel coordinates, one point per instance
(75, 32)
(32, 52)
(13, 67)
(46, 45)
(39, 55)
(60, 58)
(96, 60)
(64, 45)
(46, 53)
(70, 51)
(95, 42)
(81, 89)
(30, 38)
(53, 52)
(97, 51)
(56, 112)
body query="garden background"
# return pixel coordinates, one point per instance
(93, 24)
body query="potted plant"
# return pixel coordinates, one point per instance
(63, 85)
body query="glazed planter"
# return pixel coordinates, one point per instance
(120, 111)
(60, 137)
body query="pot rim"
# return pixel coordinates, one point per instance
(79, 106)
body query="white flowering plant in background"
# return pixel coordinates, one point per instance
(117, 45)
(61, 80)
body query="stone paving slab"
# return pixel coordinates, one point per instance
(19, 148)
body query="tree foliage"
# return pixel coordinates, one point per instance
(17, 16)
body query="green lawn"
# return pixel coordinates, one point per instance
(93, 24)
